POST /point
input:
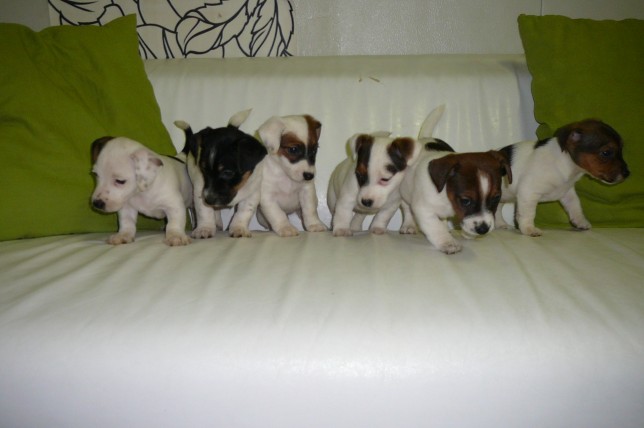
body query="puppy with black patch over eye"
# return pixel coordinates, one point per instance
(548, 170)
(367, 182)
(132, 179)
(288, 174)
(224, 165)
(463, 186)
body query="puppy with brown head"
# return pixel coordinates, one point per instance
(223, 165)
(132, 179)
(288, 174)
(547, 170)
(462, 186)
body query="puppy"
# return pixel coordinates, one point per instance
(287, 184)
(466, 186)
(548, 170)
(367, 182)
(132, 179)
(223, 165)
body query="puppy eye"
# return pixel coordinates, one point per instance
(294, 150)
(227, 174)
(465, 202)
(385, 180)
(606, 154)
(120, 182)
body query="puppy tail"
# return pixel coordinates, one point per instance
(427, 128)
(185, 126)
(238, 118)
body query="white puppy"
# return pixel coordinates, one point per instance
(548, 170)
(288, 171)
(367, 182)
(132, 179)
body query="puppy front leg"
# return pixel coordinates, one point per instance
(277, 218)
(357, 221)
(127, 227)
(241, 219)
(343, 214)
(436, 231)
(382, 219)
(572, 205)
(309, 203)
(408, 226)
(206, 223)
(175, 230)
(526, 210)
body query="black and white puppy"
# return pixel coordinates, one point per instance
(463, 186)
(367, 182)
(548, 170)
(288, 173)
(222, 164)
(132, 179)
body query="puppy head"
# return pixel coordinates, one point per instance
(293, 140)
(122, 168)
(381, 162)
(596, 148)
(473, 185)
(226, 158)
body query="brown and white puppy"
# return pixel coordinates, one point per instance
(367, 182)
(288, 173)
(224, 165)
(132, 179)
(466, 186)
(548, 170)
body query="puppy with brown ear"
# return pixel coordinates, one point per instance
(463, 186)
(547, 170)
(288, 174)
(367, 182)
(132, 179)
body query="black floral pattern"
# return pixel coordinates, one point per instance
(191, 28)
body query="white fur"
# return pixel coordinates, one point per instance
(283, 188)
(132, 179)
(541, 175)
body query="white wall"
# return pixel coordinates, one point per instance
(369, 27)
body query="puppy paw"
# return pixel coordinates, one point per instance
(342, 232)
(408, 230)
(378, 230)
(318, 227)
(531, 231)
(120, 238)
(176, 239)
(287, 231)
(239, 232)
(450, 247)
(203, 233)
(581, 225)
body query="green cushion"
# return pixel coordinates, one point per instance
(60, 89)
(591, 69)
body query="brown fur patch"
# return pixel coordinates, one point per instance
(364, 143)
(242, 182)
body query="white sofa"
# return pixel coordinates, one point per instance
(317, 331)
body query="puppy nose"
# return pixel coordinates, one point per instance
(99, 204)
(308, 176)
(482, 228)
(626, 172)
(367, 202)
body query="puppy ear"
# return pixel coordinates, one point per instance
(357, 143)
(505, 164)
(402, 151)
(146, 166)
(270, 133)
(441, 169)
(97, 147)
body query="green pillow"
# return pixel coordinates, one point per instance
(60, 89)
(591, 69)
